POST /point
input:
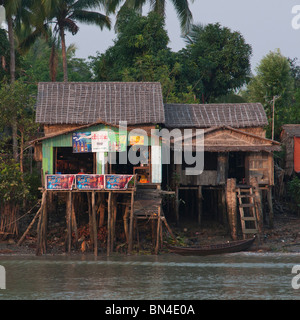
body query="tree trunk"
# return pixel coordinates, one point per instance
(12, 68)
(64, 53)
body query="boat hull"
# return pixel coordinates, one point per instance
(230, 247)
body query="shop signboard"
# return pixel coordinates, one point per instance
(117, 181)
(100, 141)
(81, 142)
(59, 181)
(90, 181)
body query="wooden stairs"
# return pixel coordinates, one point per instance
(247, 208)
(148, 206)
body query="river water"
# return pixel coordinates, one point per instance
(243, 276)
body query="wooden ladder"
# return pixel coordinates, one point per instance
(249, 220)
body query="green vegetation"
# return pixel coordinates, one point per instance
(213, 66)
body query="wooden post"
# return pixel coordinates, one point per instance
(125, 221)
(108, 223)
(177, 204)
(69, 220)
(91, 230)
(222, 168)
(270, 204)
(258, 203)
(199, 199)
(113, 221)
(223, 203)
(94, 222)
(231, 200)
(131, 223)
(41, 227)
(74, 223)
(102, 209)
(44, 230)
(158, 231)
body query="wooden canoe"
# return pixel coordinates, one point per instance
(228, 247)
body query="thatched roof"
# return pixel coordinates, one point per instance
(291, 130)
(89, 102)
(239, 115)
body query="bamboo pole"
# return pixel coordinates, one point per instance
(258, 203)
(69, 220)
(270, 204)
(168, 228)
(33, 220)
(90, 218)
(199, 198)
(108, 223)
(158, 231)
(131, 223)
(94, 222)
(231, 206)
(74, 223)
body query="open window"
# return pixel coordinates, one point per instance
(67, 162)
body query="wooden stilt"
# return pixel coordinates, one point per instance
(125, 221)
(44, 230)
(91, 229)
(199, 200)
(102, 209)
(69, 220)
(108, 223)
(231, 200)
(94, 223)
(131, 223)
(270, 204)
(258, 203)
(223, 202)
(177, 204)
(74, 223)
(158, 231)
(41, 228)
(113, 221)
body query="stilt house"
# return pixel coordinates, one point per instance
(290, 139)
(235, 151)
(82, 134)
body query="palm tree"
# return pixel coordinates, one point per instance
(11, 7)
(181, 6)
(65, 14)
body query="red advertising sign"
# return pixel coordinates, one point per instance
(90, 181)
(59, 181)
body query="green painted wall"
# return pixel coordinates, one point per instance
(65, 140)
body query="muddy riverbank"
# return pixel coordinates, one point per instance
(283, 237)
